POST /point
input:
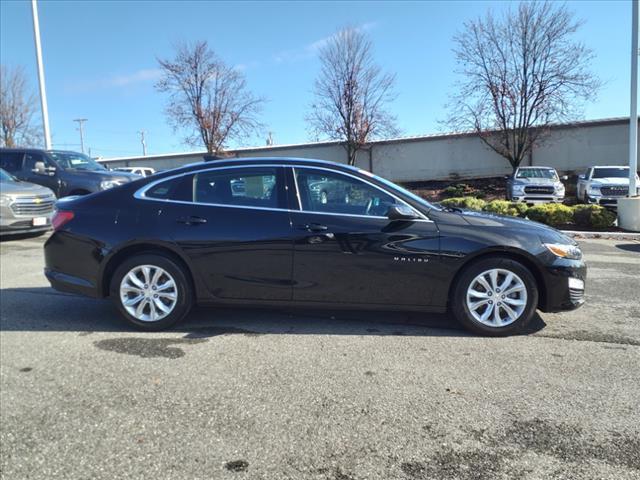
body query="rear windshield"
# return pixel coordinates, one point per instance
(537, 173)
(611, 172)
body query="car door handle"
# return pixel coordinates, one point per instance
(314, 227)
(192, 220)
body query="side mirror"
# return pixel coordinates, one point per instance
(401, 212)
(564, 177)
(41, 169)
(581, 177)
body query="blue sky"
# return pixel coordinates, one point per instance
(100, 59)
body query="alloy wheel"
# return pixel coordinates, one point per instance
(496, 297)
(148, 293)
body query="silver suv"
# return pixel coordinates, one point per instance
(604, 185)
(535, 185)
(24, 207)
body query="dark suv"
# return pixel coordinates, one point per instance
(66, 173)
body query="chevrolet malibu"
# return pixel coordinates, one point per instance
(160, 245)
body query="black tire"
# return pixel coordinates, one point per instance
(461, 311)
(184, 290)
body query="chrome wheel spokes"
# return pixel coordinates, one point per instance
(496, 297)
(148, 293)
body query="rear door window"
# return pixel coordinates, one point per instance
(11, 161)
(242, 187)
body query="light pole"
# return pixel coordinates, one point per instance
(80, 123)
(43, 93)
(633, 117)
(629, 206)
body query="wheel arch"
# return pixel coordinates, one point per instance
(116, 258)
(513, 254)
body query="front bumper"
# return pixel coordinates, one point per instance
(12, 223)
(537, 199)
(563, 293)
(611, 202)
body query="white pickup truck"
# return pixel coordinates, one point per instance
(603, 185)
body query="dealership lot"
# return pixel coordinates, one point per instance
(318, 395)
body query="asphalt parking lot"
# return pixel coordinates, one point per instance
(317, 395)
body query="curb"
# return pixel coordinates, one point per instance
(603, 235)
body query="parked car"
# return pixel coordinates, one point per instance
(604, 185)
(183, 237)
(24, 207)
(66, 173)
(535, 185)
(141, 171)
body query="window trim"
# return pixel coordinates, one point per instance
(140, 193)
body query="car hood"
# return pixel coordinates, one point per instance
(535, 181)
(610, 181)
(24, 188)
(545, 232)
(106, 175)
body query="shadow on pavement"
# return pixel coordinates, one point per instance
(44, 309)
(629, 247)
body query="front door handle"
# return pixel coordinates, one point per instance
(314, 227)
(192, 220)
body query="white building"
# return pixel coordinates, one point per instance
(568, 148)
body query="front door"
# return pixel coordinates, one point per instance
(48, 178)
(346, 249)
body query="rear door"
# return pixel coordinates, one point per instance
(348, 251)
(234, 226)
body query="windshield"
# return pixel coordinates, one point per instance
(611, 172)
(77, 161)
(5, 177)
(402, 190)
(537, 173)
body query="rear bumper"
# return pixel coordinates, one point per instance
(70, 284)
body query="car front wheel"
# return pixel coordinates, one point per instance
(151, 291)
(495, 296)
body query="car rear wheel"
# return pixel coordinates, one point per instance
(151, 291)
(495, 296)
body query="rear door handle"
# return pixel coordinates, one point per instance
(192, 220)
(314, 227)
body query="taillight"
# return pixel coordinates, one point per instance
(60, 218)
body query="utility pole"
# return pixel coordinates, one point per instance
(43, 93)
(144, 143)
(80, 123)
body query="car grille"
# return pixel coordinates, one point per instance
(33, 206)
(576, 296)
(614, 191)
(539, 189)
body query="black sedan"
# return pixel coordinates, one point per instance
(161, 244)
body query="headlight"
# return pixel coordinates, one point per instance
(5, 200)
(559, 188)
(594, 190)
(518, 188)
(107, 184)
(564, 251)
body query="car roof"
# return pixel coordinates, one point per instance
(292, 161)
(535, 167)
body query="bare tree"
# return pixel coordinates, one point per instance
(17, 108)
(351, 93)
(522, 71)
(207, 98)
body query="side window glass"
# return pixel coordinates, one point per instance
(11, 161)
(242, 187)
(168, 190)
(324, 191)
(30, 160)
